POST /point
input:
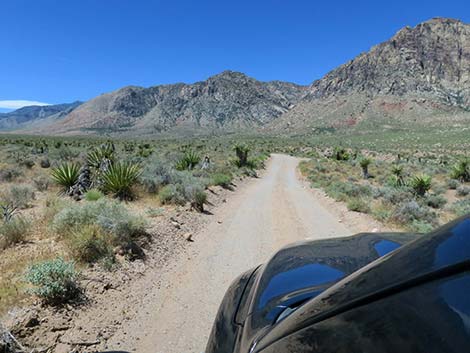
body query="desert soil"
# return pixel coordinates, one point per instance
(167, 302)
(265, 215)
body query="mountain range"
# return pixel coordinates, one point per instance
(421, 76)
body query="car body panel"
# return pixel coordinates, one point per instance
(295, 274)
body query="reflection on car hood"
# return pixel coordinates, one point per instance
(301, 271)
(439, 251)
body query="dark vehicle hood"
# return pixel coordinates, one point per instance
(434, 255)
(302, 271)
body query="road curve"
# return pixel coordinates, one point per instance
(265, 215)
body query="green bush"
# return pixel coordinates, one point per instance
(41, 183)
(461, 207)
(54, 281)
(435, 201)
(172, 194)
(197, 197)
(93, 195)
(120, 178)
(9, 174)
(66, 175)
(112, 216)
(462, 190)
(90, 244)
(421, 227)
(358, 205)
(409, 211)
(21, 196)
(14, 231)
(223, 180)
(453, 184)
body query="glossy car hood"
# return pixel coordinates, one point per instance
(301, 271)
(446, 249)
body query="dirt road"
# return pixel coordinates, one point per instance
(268, 213)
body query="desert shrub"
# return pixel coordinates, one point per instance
(120, 178)
(21, 196)
(54, 281)
(381, 213)
(461, 207)
(189, 161)
(196, 196)
(461, 171)
(421, 226)
(28, 163)
(66, 175)
(395, 196)
(89, 244)
(463, 190)
(53, 206)
(439, 189)
(409, 211)
(93, 195)
(358, 205)
(435, 201)
(111, 216)
(45, 163)
(453, 184)
(421, 184)
(14, 231)
(341, 191)
(172, 194)
(41, 183)
(223, 180)
(156, 175)
(9, 174)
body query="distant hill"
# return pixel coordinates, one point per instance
(420, 76)
(230, 101)
(29, 115)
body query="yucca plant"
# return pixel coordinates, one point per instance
(421, 184)
(242, 154)
(189, 161)
(364, 163)
(98, 155)
(119, 179)
(397, 172)
(461, 171)
(66, 175)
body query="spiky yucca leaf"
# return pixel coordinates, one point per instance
(190, 160)
(119, 179)
(66, 175)
(99, 154)
(461, 171)
(421, 184)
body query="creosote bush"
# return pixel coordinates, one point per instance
(111, 216)
(90, 244)
(223, 180)
(54, 281)
(14, 231)
(21, 196)
(358, 205)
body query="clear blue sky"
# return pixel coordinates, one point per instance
(66, 50)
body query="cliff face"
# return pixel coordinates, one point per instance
(420, 76)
